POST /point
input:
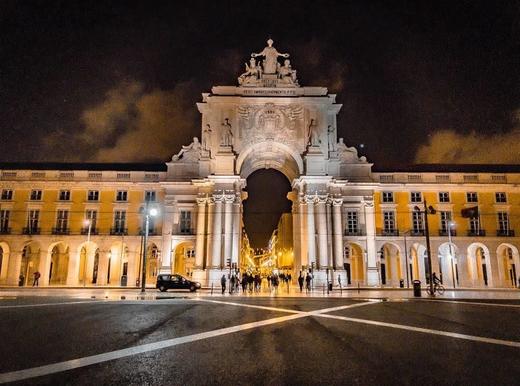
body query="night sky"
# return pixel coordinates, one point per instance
(420, 82)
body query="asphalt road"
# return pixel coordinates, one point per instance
(264, 341)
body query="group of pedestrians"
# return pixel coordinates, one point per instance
(249, 282)
(274, 280)
(307, 280)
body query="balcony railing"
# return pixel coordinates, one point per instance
(5, 231)
(444, 232)
(418, 232)
(31, 231)
(60, 231)
(186, 231)
(151, 232)
(358, 232)
(389, 232)
(93, 231)
(119, 231)
(505, 233)
(479, 233)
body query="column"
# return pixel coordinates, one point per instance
(201, 225)
(337, 232)
(311, 231)
(237, 234)
(228, 224)
(217, 232)
(209, 233)
(370, 258)
(166, 248)
(322, 232)
(14, 264)
(73, 267)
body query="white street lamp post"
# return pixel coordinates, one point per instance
(148, 212)
(450, 224)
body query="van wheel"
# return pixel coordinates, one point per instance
(192, 288)
(162, 288)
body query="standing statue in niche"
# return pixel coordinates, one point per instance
(271, 55)
(331, 138)
(227, 134)
(314, 139)
(206, 133)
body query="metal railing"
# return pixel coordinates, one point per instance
(479, 233)
(117, 231)
(505, 233)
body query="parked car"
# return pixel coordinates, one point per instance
(166, 282)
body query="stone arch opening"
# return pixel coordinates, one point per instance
(88, 260)
(390, 264)
(419, 263)
(270, 155)
(448, 264)
(30, 263)
(509, 265)
(152, 263)
(117, 263)
(59, 263)
(354, 264)
(184, 258)
(4, 261)
(479, 265)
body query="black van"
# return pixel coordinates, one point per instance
(166, 282)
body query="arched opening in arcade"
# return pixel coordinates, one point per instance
(88, 263)
(59, 264)
(479, 265)
(268, 223)
(448, 268)
(418, 265)
(184, 255)
(152, 263)
(353, 263)
(390, 269)
(509, 263)
(117, 265)
(4, 259)
(30, 263)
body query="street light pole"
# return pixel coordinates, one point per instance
(428, 248)
(450, 224)
(147, 212)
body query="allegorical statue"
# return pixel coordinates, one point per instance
(190, 152)
(271, 55)
(314, 139)
(253, 73)
(286, 73)
(227, 134)
(331, 137)
(206, 133)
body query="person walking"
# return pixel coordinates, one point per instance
(300, 281)
(223, 283)
(308, 282)
(232, 284)
(37, 276)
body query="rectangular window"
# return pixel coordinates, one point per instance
(500, 197)
(64, 195)
(36, 195)
(91, 217)
(503, 222)
(388, 196)
(474, 226)
(389, 222)
(122, 195)
(4, 220)
(62, 220)
(415, 197)
(444, 197)
(185, 222)
(7, 194)
(471, 197)
(445, 221)
(93, 195)
(417, 222)
(33, 221)
(119, 221)
(352, 223)
(149, 196)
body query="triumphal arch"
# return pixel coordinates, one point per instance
(268, 120)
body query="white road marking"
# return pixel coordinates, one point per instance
(426, 330)
(53, 304)
(473, 303)
(109, 356)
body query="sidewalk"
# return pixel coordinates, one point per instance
(114, 293)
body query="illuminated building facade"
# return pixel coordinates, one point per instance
(348, 219)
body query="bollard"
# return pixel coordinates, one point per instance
(212, 288)
(358, 287)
